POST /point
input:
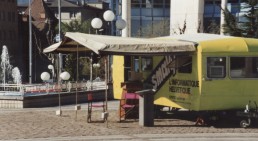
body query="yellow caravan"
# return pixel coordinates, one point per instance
(222, 74)
(201, 72)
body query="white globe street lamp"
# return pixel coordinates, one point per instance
(109, 16)
(96, 23)
(45, 76)
(120, 24)
(51, 67)
(96, 65)
(64, 76)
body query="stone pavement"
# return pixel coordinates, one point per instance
(42, 124)
(156, 137)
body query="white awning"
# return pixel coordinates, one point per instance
(52, 47)
(119, 45)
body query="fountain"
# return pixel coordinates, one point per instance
(16, 75)
(5, 65)
(14, 94)
(7, 69)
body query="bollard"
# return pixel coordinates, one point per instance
(146, 107)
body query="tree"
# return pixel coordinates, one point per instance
(157, 29)
(71, 59)
(246, 28)
(213, 27)
(77, 26)
(250, 26)
(231, 25)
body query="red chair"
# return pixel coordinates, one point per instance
(93, 105)
(129, 107)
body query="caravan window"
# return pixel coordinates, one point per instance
(136, 64)
(184, 64)
(216, 67)
(147, 63)
(244, 67)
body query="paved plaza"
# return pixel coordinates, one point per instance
(42, 124)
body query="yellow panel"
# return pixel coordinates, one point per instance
(224, 45)
(185, 95)
(118, 75)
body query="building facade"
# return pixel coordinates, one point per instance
(194, 15)
(9, 30)
(143, 13)
(198, 14)
(79, 10)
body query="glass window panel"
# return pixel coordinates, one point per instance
(146, 63)
(216, 67)
(244, 67)
(136, 64)
(184, 64)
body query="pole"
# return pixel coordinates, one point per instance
(30, 44)
(60, 65)
(59, 101)
(59, 21)
(91, 72)
(76, 96)
(60, 37)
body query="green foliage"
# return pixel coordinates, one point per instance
(248, 28)
(70, 65)
(77, 26)
(231, 24)
(71, 59)
(157, 29)
(213, 27)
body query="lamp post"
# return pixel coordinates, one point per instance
(96, 23)
(64, 76)
(109, 16)
(51, 67)
(45, 76)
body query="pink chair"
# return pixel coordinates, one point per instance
(93, 105)
(129, 106)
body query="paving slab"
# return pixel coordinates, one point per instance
(42, 124)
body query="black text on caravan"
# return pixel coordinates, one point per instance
(162, 73)
(189, 83)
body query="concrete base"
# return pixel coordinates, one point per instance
(11, 104)
(77, 107)
(50, 100)
(58, 112)
(104, 115)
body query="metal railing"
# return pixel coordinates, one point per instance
(46, 88)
